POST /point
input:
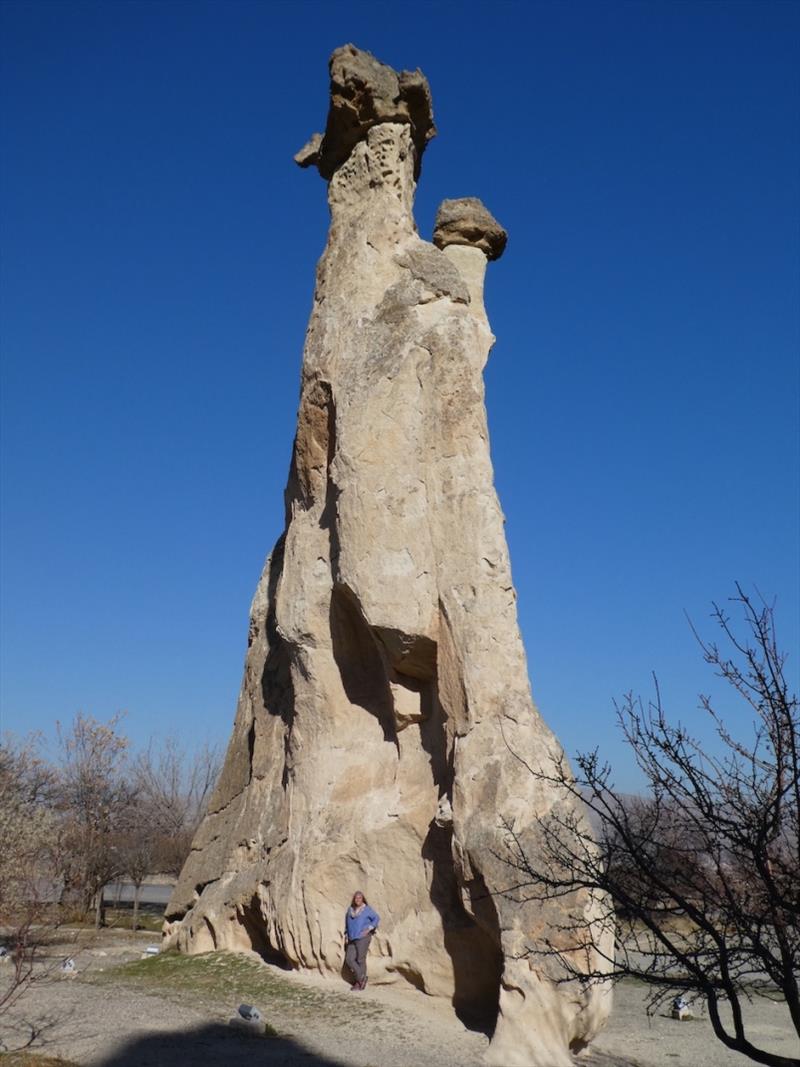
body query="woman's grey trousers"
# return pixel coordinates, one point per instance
(356, 956)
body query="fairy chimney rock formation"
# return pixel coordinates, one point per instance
(385, 729)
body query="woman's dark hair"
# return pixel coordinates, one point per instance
(357, 893)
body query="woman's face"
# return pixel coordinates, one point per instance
(358, 899)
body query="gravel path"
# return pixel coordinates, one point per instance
(97, 1023)
(97, 1026)
(109, 1024)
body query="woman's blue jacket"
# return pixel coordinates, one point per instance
(357, 925)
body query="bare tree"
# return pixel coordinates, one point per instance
(175, 789)
(138, 848)
(703, 873)
(171, 792)
(27, 835)
(91, 817)
(95, 796)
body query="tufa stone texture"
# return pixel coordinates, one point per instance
(385, 719)
(467, 222)
(365, 92)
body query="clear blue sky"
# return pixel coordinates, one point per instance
(159, 248)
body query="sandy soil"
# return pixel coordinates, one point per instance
(106, 1024)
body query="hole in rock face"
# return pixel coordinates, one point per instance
(253, 925)
(409, 654)
(359, 661)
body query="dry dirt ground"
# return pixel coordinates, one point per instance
(121, 1011)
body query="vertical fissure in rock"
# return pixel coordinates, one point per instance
(314, 446)
(251, 919)
(327, 519)
(210, 931)
(277, 687)
(473, 947)
(251, 743)
(358, 658)
(433, 737)
(471, 939)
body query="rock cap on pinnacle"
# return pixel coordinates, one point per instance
(467, 222)
(364, 92)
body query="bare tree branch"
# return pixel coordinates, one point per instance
(700, 877)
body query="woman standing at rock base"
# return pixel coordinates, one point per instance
(360, 923)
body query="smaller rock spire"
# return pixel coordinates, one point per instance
(467, 222)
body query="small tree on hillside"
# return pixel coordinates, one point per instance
(700, 879)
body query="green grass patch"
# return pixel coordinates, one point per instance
(232, 979)
(123, 920)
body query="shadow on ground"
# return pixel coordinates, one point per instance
(28, 1036)
(214, 1045)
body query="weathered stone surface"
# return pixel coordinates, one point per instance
(385, 685)
(467, 222)
(365, 92)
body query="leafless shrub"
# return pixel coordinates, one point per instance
(28, 834)
(174, 789)
(95, 796)
(699, 879)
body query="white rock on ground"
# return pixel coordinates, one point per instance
(385, 684)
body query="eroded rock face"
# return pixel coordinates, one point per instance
(385, 685)
(365, 92)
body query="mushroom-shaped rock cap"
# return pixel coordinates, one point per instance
(467, 222)
(364, 92)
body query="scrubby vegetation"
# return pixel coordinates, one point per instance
(698, 879)
(81, 814)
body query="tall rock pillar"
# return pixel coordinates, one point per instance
(385, 719)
